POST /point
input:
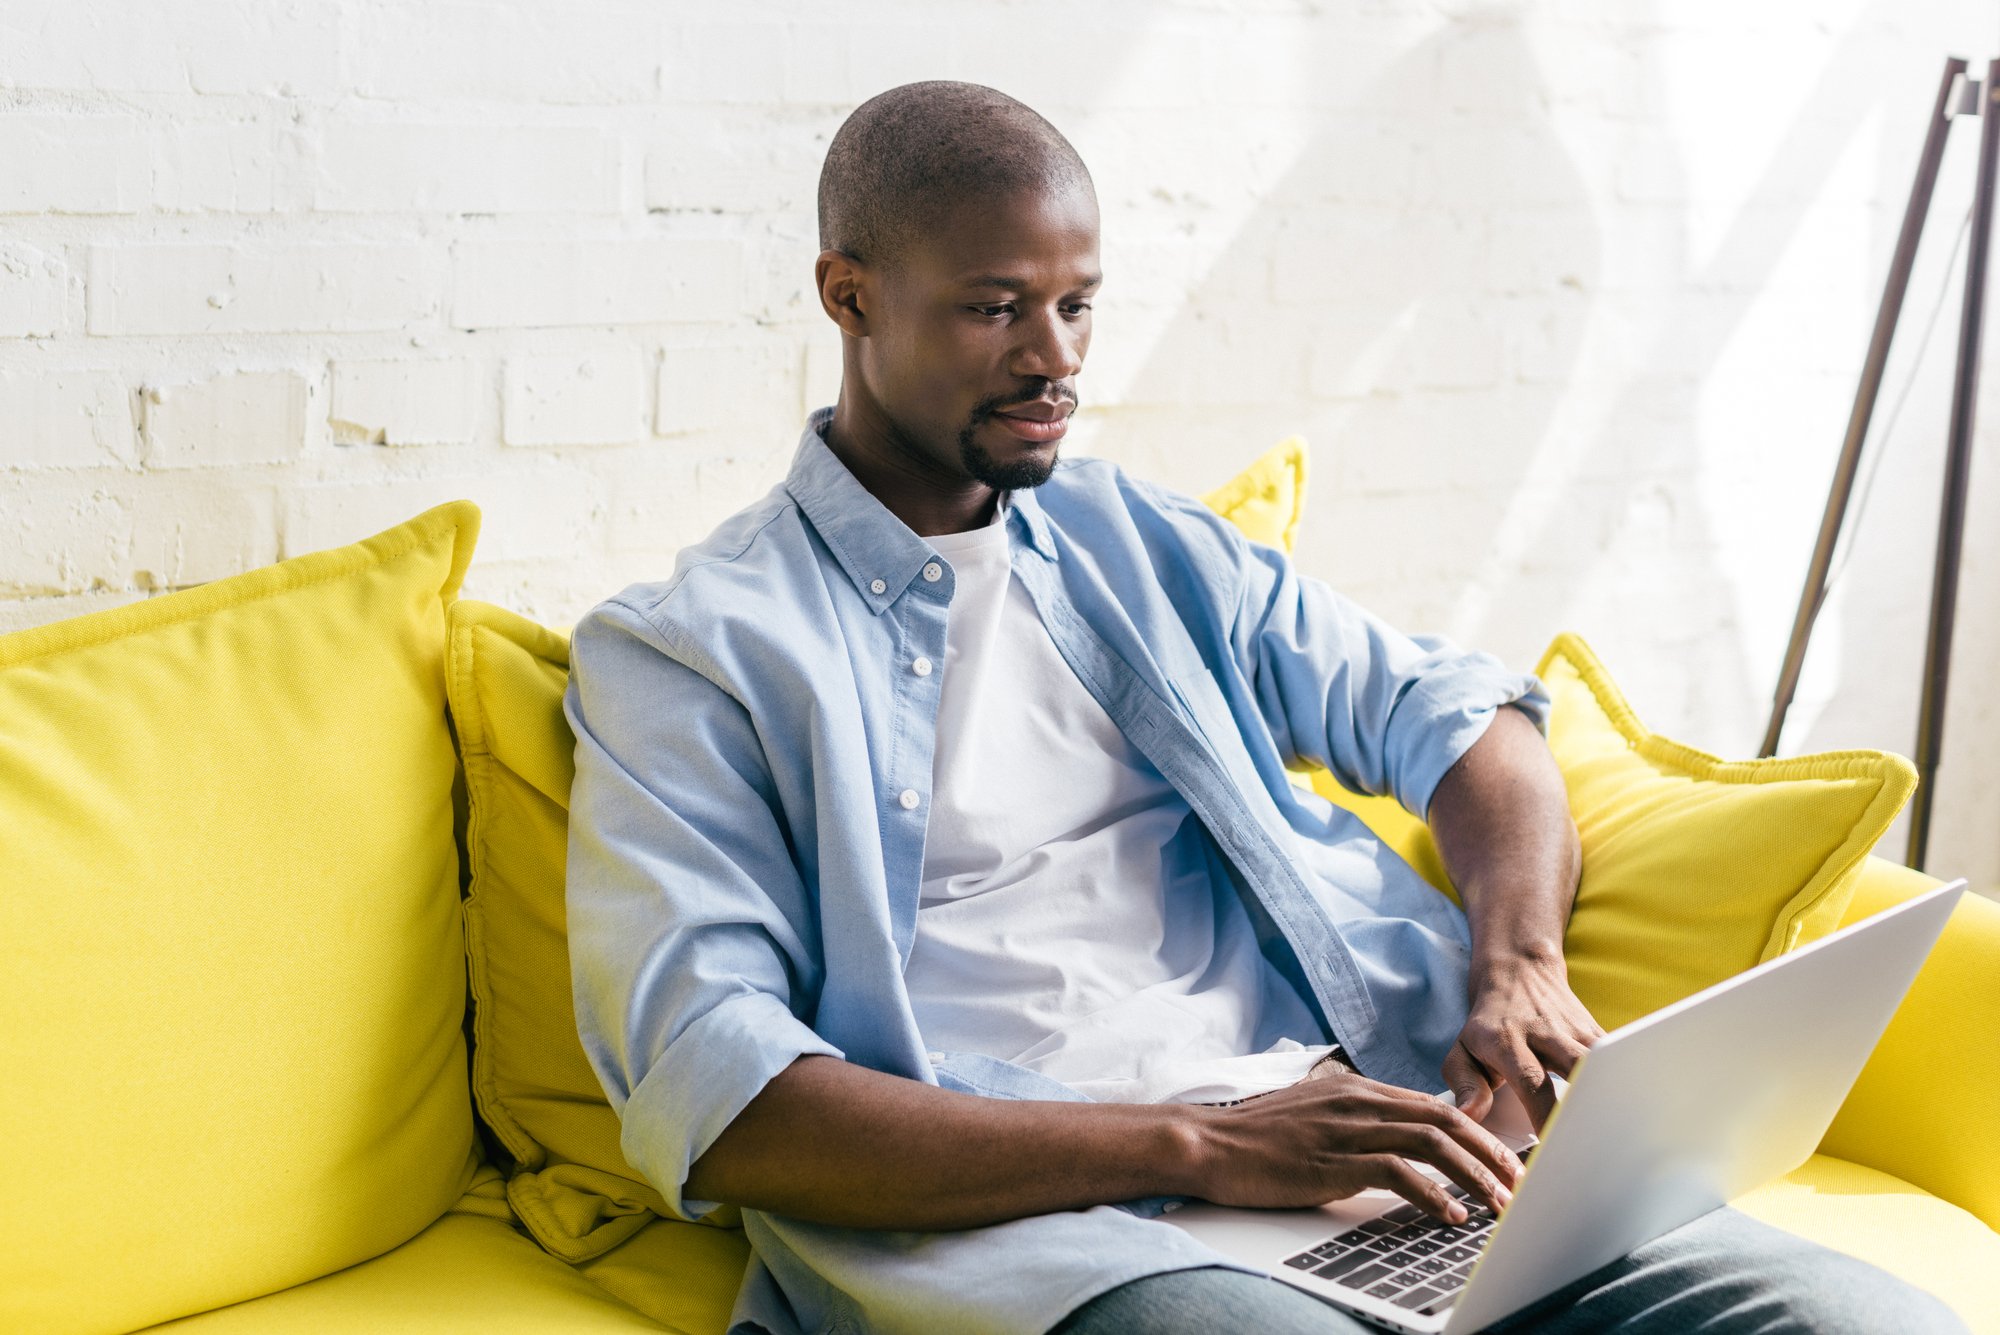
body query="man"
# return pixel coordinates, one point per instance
(937, 892)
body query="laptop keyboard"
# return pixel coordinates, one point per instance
(1405, 1257)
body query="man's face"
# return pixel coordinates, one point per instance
(978, 336)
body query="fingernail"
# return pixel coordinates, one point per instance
(1458, 1213)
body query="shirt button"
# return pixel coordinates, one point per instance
(922, 667)
(908, 797)
(935, 1056)
(933, 572)
(878, 586)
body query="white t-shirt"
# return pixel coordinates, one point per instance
(1041, 924)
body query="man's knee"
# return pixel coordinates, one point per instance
(1730, 1272)
(1201, 1301)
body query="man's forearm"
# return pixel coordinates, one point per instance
(1503, 828)
(839, 1143)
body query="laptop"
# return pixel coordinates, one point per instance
(1665, 1119)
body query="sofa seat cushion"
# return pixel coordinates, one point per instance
(464, 1273)
(1885, 1221)
(232, 978)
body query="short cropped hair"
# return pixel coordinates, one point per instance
(919, 150)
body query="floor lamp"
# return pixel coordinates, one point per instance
(1956, 96)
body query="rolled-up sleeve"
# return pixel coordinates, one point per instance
(693, 945)
(1384, 711)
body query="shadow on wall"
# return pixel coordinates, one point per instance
(1504, 447)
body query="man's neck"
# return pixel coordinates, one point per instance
(910, 486)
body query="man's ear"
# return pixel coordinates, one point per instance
(845, 291)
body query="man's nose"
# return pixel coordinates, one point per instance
(1051, 347)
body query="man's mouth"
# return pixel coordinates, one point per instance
(1041, 421)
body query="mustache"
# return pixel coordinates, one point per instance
(1000, 403)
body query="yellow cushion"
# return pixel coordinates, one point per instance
(231, 1007)
(464, 1273)
(572, 1187)
(1267, 499)
(1927, 1106)
(1887, 1222)
(1694, 868)
(682, 1275)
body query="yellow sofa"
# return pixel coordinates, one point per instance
(285, 999)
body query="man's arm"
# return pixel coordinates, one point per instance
(1502, 823)
(838, 1143)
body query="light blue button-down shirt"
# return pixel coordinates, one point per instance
(745, 853)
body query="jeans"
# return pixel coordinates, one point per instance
(1723, 1272)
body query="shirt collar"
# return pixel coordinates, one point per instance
(880, 553)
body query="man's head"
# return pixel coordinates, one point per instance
(958, 235)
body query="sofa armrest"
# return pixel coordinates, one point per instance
(1927, 1106)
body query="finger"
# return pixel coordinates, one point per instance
(1394, 1173)
(1510, 1058)
(1436, 1147)
(1469, 1082)
(1558, 1052)
(1486, 1149)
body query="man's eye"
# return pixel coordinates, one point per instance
(991, 311)
(1079, 306)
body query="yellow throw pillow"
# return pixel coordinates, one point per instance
(232, 985)
(572, 1186)
(1267, 499)
(1694, 868)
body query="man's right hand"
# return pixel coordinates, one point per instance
(1320, 1140)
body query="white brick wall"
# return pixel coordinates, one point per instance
(1568, 296)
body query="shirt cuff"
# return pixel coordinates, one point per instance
(1444, 713)
(703, 1080)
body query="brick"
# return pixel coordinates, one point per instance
(27, 613)
(73, 164)
(1358, 260)
(826, 367)
(187, 531)
(398, 167)
(403, 401)
(63, 536)
(1436, 345)
(229, 167)
(246, 417)
(236, 46)
(65, 419)
(34, 292)
(734, 160)
(585, 398)
(724, 62)
(750, 387)
(569, 54)
(592, 282)
(531, 514)
(260, 288)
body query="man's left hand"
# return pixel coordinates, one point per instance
(1525, 1025)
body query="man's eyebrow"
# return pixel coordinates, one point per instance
(1001, 280)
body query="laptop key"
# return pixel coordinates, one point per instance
(1384, 1290)
(1431, 1265)
(1457, 1254)
(1342, 1265)
(1417, 1297)
(1425, 1246)
(1304, 1261)
(1363, 1277)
